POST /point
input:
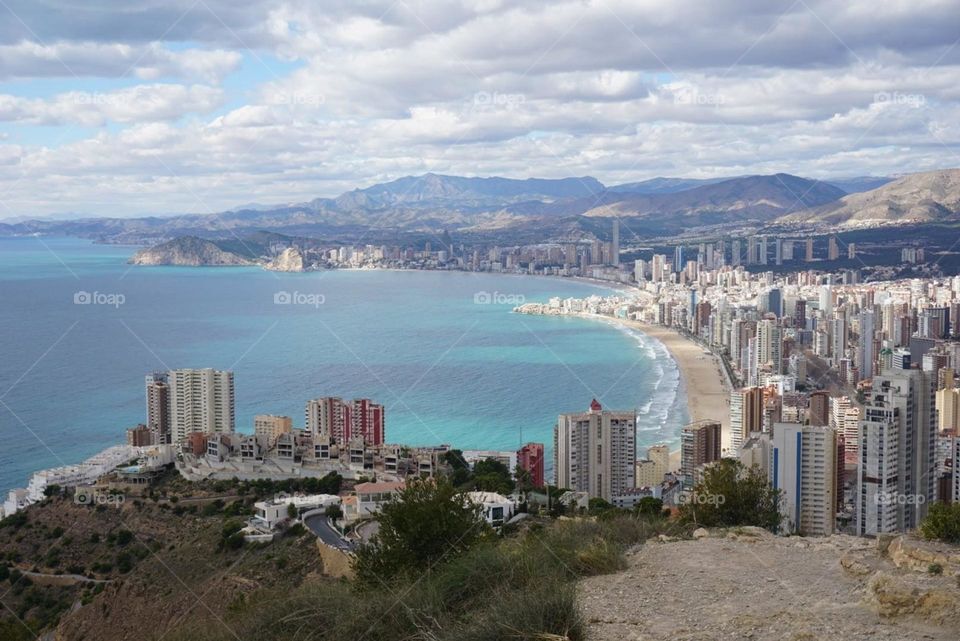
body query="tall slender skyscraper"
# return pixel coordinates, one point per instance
(865, 352)
(746, 415)
(158, 408)
(615, 245)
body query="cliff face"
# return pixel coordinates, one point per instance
(749, 584)
(187, 251)
(289, 260)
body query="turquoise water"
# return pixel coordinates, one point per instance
(449, 370)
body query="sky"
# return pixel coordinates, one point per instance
(125, 107)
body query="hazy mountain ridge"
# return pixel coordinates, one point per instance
(918, 198)
(550, 208)
(748, 198)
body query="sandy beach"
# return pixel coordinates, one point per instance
(708, 396)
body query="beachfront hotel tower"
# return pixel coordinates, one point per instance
(201, 400)
(595, 451)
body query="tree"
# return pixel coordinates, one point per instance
(732, 495)
(291, 511)
(491, 475)
(429, 521)
(461, 471)
(334, 512)
(942, 522)
(649, 506)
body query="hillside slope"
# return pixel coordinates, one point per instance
(751, 197)
(919, 198)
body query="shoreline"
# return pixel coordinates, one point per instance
(708, 396)
(705, 386)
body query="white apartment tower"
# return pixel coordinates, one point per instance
(769, 347)
(803, 465)
(201, 400)
(595, 451)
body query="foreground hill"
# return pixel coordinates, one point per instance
(753, 585)
(918, 198)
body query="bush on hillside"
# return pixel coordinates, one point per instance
(429, 521)
(942, 523)
(732, 495)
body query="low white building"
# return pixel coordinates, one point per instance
(497, 509)
(272, 512)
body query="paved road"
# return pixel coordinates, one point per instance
(321, 526)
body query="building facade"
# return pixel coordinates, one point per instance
(595, 451)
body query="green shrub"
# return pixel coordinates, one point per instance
(935, 569)
(942, 523)
(731, 495)
(428, 522)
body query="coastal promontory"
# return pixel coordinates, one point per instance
(188, 251)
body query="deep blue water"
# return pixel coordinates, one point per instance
(449, 370)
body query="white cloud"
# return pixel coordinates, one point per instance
(619, 89)
(142, 103)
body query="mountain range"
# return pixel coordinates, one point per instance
(537, 210)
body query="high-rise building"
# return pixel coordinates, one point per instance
(615, 245)
(769, 347)
(865, 351)
(139, 436)
(158, 408)
(201, 400)
(678, 258)
(268, 428)
(343, 421)
(699, 445)
(367, 421)
(833, 251)
(948, 408)
(897, 465)
(595, 451)
(803, 466)
(819, 410)
(530, 459)
(746, 415)
(808, 255)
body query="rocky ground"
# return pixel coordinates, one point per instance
(749, 584)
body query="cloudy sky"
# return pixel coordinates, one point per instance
(122, 107)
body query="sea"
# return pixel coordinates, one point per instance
(443, 351)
